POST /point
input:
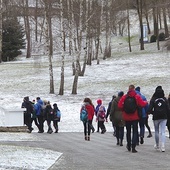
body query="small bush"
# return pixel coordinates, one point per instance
(162, 36)
(153, 39)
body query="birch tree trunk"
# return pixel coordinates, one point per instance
(61, 90)
(165, 22)
(107, 51)
(98, 33)
(36, 21)
(71, 35)
(48, 43)
(79, 39)
(128, 23)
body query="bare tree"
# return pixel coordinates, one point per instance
(61, 91)
(78, 53)
(48, 36)
(139, 6)
(1, 30)
(128, 25)
(27, 28)
(107, 51)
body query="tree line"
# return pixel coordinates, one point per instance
(82, 29)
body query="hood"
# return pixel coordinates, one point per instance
(40, 102)
(131, 93)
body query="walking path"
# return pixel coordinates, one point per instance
(101, 153)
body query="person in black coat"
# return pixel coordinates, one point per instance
(159, 108)
(57, 116)
(168, 117)
(27, 114)
(108, 113)
(49, 116)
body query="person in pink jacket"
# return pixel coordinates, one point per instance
(131, 119)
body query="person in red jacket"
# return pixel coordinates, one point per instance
(131, 120)
(88, 124)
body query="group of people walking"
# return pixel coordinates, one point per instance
(40, 111)
(131, 110)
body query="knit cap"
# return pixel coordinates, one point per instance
(121, 93)
(137, 88)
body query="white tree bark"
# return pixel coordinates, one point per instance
(61, 91)
(48, 50)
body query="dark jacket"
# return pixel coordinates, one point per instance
(116, 115)
(49, 114)
(28, 105)
(159, 93)
(56, 110)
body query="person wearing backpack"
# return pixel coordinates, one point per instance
(101, 114)
(143, 118)
(99, 103)
(39, 109)
(159, 108)
(116, 118)
(129, 104)
(89, 107)
(33, 116)
(49, 114)
(168, 118)
(57, 117)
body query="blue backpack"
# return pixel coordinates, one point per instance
(58, 114)
(83, 114)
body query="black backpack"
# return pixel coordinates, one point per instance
(130, 104)
(160, 106)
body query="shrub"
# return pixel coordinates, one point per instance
(153, 39)
(161, 36)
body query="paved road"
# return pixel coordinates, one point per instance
(101, 153)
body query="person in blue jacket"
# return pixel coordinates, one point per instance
(39, 113)
(144, 118)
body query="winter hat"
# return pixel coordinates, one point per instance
(121, 93)
(55, 104)
(99, 101)
(158, 88)
(137, 88)
(159, 92)
(114, 96)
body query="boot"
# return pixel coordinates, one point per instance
(133, 149)
(141, 140)
(118, 142)
(121, 142)
(150, 135)
(128, 147)
(88, 138)
(85, 137)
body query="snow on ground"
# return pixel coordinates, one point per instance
(17, 157)
(30, 77)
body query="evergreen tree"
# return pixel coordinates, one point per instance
(12, 39)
